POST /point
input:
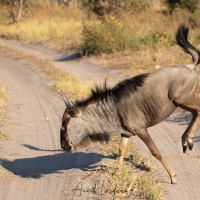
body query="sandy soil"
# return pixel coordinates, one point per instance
(37, 166)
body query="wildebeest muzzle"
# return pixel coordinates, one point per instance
(66, 145)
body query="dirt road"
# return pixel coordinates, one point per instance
(40, 170)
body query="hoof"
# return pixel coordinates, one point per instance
(173, 181)
(184, 149)
(190, 146)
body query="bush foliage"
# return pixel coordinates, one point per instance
(110, 35)
(109, 7)
(190, 5)
(153, 38)
(107, 36)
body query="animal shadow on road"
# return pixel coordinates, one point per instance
(70, 57)
(180, 117)
(36, 167)
(183, 118)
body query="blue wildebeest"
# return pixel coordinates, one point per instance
(135, 104)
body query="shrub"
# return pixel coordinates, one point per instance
(154, 38)
(194, 19)
(107, 36)
(190, 5)
(101, 8)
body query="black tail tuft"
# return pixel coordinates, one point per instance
(182, 41)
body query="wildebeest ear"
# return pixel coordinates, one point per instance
(69, 107)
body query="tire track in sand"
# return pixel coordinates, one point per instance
(38, 165)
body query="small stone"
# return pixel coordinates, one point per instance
(157, 67)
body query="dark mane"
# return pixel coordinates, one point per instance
(96, 137)
(122, 89)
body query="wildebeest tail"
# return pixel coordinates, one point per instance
(182, 41)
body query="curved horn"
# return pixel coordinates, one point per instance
(64, 100)
(69, 106)
(67, 102)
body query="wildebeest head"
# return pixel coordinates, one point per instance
(69, 114)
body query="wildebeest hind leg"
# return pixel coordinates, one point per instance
(187, 137)
(194, 108)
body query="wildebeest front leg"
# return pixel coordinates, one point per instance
(145, 137)
(122, 149)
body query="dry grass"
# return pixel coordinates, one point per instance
(3, 175)
(3, 99)
(68, 31)
(129, 184)
(136, 180)
(60, 26)
(146, 60)
(151, 57)
(156, 53)
(3, 104)
(59, 79)
(63, 26)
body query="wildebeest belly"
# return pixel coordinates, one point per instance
(156, 112)
(149, 111)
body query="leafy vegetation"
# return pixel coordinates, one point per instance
(190, 5)
(78, 29)
(107, 36)
(109, 7)
(153, 38)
